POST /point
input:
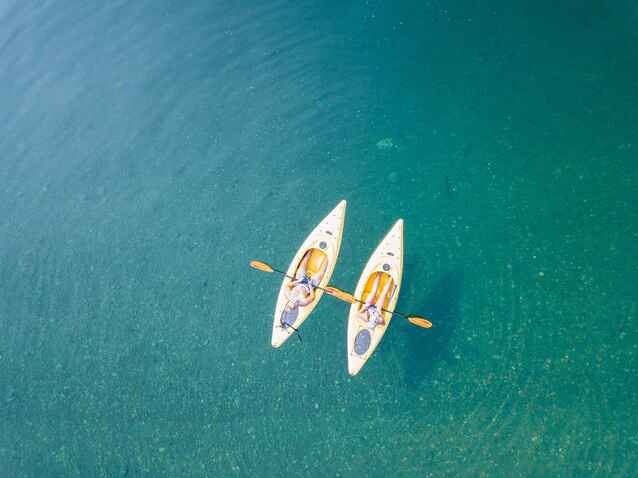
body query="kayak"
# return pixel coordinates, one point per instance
(386, 263)
(323, 246)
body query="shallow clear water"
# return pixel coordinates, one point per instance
(149, 150)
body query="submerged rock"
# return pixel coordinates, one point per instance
(386, 143)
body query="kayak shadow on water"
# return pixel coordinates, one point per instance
(426, 348)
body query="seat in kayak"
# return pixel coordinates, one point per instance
(315, 261)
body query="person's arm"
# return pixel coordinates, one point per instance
(381, 317)
(307, 300)
(362, 314)
(293, 283)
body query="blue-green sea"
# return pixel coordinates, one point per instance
(149, 150)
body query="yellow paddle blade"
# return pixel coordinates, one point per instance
(261, 266)
(420, 321)
(339, 294)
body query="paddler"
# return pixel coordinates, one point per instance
(302, 289)
(371, 311)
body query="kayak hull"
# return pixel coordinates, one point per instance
(324, 243)
(387, 261)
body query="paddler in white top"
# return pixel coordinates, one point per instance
(371, 312)
(302, 289)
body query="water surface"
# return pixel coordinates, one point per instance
(149, 150)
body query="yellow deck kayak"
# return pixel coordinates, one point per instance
(322, 246)
(385, 264)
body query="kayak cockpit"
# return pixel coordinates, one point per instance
(315, 263)
(384, 278)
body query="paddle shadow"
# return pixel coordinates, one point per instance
(428, 347)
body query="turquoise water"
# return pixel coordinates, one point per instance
(149, 150)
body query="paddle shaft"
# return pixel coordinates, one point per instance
(353, 297)
(401, 314)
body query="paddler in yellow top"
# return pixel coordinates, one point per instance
(302, 289)
(371, 312)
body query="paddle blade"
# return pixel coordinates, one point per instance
(420, 321)
(261, 266)
(339, 294)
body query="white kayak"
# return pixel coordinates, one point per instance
(322, 246)
(385, 264)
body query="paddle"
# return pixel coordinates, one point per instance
(262, 266)
(345, 296)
